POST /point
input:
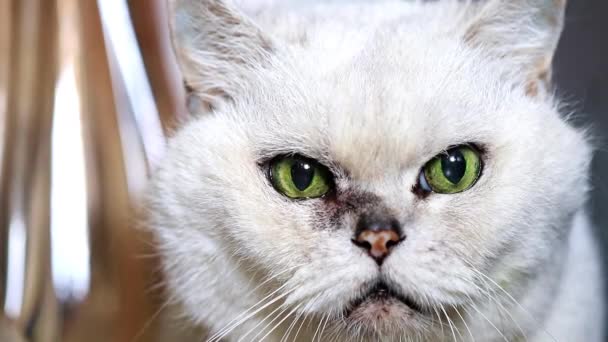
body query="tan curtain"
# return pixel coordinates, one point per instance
(82, 116)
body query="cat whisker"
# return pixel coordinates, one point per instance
(225, 331)
(510, 297)
(500, 288)
(244, 313)
(439, 318)
(490, 295)
(323, 329)
(281, 321)
(272, 325)
(294, 310)
(501, 308)
(472, 305)
(451, 325)
(305, 316)
(291, 326)
(333, 333)
(151, 319)
(280, 311)
(310, 303)
(465, 323)
(314, 337)
(295, 338)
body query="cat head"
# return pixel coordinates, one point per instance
(375, 167)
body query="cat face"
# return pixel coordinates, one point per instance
(324, 183)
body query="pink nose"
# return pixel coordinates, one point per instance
(378, 243)
(378, 240)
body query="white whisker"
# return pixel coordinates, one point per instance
(226, 331)
(465, 324)
(280, 322)
(486, 318)
(512, 299)
(449, 322)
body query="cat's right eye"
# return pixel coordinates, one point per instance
(299, 177)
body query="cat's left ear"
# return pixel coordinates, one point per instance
(523, 35)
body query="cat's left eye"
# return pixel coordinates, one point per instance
(453, 171)
(299, 177)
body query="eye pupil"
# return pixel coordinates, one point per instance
(454, 165)
(302, 174)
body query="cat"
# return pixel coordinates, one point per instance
(378, 171)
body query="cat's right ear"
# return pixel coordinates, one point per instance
(217, 47)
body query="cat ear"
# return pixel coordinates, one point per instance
(217, 47)
(522, 34)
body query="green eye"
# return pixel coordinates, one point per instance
(453, 171)
(299, 177)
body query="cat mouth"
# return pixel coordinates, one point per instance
(381, 302)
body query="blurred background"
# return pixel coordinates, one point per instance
(88, 91)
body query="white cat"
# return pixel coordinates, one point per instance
(381, 170)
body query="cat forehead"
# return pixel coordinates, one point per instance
(386, 75)
(395, 90)
(396, 97)
(330, 34)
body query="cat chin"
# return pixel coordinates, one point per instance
(380, 300)
(384, 316)
(383, 311)
(386, 319)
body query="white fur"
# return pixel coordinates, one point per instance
(375, 90)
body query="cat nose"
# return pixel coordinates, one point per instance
(377, 237)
